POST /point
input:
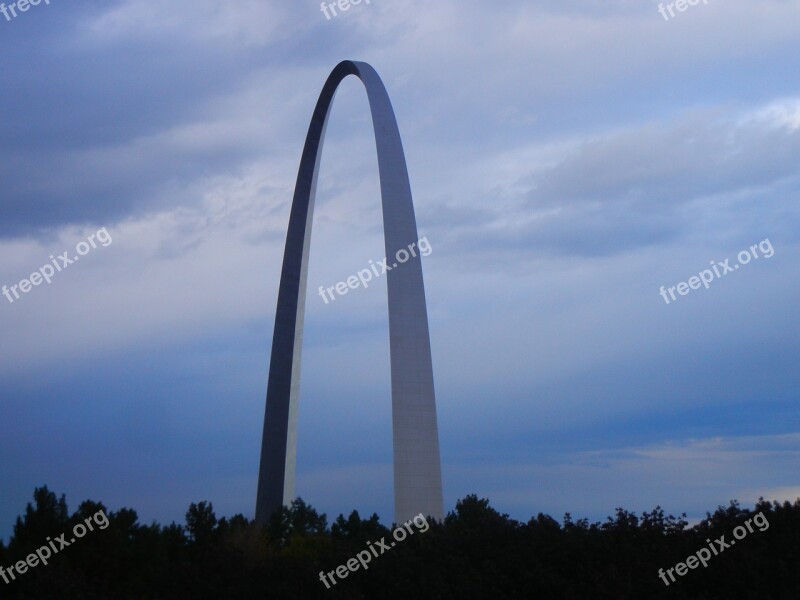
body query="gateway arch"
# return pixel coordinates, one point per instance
(417, 468)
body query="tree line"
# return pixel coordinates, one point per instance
(475, 552)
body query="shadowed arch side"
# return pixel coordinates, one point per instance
(417, 468)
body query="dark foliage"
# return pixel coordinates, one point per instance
(475, 552)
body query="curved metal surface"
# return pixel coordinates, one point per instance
(417, 468)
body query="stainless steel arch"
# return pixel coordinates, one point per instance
(417, 468)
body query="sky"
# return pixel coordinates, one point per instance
(576, 166)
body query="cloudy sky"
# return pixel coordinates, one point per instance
(567, 159)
